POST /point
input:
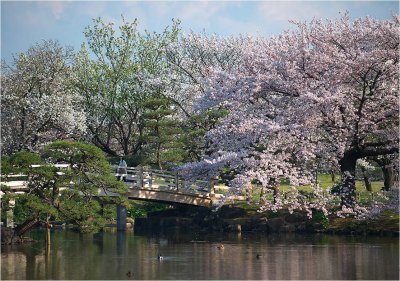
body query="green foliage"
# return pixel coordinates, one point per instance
(82, 211)
(136, 212)
(89, 169)
(28, 206)
(141, 209)
(319, 216)
(5, 204)
(24, 159)
(5, 165)
(195, 129)
(388, 221)
(70, 193)
(115, 70)
(163, 132)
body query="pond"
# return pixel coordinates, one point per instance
(120, 255)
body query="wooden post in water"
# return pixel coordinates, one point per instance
(121, 217)
(48, 237)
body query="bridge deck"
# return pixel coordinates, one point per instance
(152, 185)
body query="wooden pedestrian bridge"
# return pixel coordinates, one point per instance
(150, 185)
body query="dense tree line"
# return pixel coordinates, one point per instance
(266, 109)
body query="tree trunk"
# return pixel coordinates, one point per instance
(25, 227)
(348, 187)
(158, 156)
(261, 201)
(388, 174)
(333, 175)
(275, 192)
(385, 163)
(367, 181)
(273, 184)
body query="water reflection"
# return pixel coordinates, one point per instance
(119, 255)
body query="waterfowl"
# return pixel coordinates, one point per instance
(221, 247)
(160, 257)
(258, 256)
(129, 274)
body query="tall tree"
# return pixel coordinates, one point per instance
(328, 91)
(118, 70)
(163, 132)
(37, 102)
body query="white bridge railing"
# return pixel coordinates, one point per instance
(142, 177)
(134, 177)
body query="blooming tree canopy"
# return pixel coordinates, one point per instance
(192, 59)
(325, 92)
(37, 102)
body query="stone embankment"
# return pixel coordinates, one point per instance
(227, 219)
(238, 219)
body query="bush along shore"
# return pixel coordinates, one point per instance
(234, 218)
(238, 219)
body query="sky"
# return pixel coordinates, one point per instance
(24, 23)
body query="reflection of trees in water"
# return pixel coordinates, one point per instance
(11, 264)
(112, 255)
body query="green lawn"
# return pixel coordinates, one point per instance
(325, 181)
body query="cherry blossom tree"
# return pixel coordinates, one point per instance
(193, 56)
(192, 60)
(327, 92)
(37, 102)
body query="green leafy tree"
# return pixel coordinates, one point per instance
(124, 72)
(69, 194)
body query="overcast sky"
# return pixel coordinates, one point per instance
(25, 23)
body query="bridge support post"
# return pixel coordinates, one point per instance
(121, 217)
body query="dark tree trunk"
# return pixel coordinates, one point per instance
(385, 163)
(348, 187)
(333, 175)
(273, 185)
(367, 180)
(388, 174)
(275, 193)
(261, 201)
(25, 227)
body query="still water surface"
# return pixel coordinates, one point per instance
(116, 255)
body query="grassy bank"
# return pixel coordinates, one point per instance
(387, 222)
